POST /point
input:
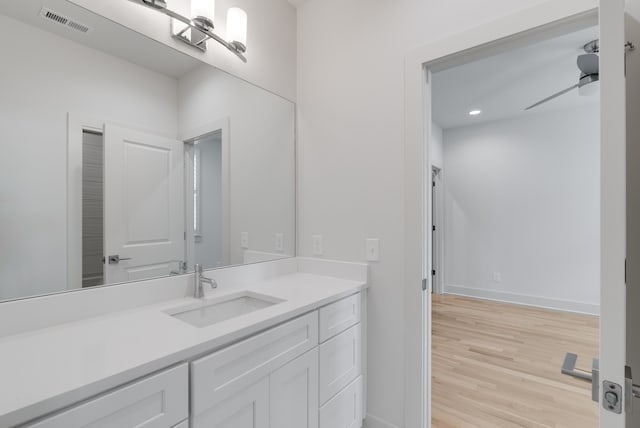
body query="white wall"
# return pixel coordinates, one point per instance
(350, 126)
(262, 190)
(33, 127)
(271, 37)
(522, 200)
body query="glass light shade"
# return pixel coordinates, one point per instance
(204, 8)
(237, 25)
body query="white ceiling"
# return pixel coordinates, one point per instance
(504, 85)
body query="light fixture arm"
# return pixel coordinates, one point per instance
(237, 48)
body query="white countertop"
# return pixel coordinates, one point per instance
(48, 369)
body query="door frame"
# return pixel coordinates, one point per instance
(188, 137)
(437, 219)
(539, 22)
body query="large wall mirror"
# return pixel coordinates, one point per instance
(124, 159)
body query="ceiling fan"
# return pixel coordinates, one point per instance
(589, 71)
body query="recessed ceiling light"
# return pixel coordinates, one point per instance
(475, 112)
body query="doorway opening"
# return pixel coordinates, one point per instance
(515, 257)
(92, 208)
(205, 200)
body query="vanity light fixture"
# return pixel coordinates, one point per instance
(475, 112)
(198, 29)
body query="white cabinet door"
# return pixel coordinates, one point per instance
(143, 204)
(159, 401)
(294, 393)
(248, 408)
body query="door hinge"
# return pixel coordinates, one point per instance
(424, 284)
(185, 236)
(433, 272)
(433, 228)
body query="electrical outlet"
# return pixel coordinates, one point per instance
(372, 250)
(497, 277)
(244, 240)
(316, 243)
(279, 242)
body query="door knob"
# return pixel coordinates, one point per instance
(115, 259)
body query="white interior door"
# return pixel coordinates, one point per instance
(632, 27)
(144, 204)
(618, 126)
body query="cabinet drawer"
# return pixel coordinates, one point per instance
(223, 373)
(339, 316)
(345, 409)
(159, 401)
(340, 362)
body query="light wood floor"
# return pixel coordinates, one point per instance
(498, 365)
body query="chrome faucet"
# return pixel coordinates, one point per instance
(198, 290)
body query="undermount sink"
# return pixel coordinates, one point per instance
(212, 311)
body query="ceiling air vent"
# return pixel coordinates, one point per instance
(57, 18)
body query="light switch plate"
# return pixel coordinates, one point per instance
(279, 242)
(244, 240)
(373, 250)
(316, 243)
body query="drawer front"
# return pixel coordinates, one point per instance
(345, 409)
(223, 373)
(340, 362)
(248, 408)
(159, 401)
(339, 316)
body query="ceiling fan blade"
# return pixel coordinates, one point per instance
(588, 63)
(557, 94)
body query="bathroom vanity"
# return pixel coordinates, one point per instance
(296, 360)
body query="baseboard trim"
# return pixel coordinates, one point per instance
(375, 422)
(524, 300)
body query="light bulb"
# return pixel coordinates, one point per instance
(203, 8)
(237, 27)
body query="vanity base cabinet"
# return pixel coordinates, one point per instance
(235, 368)
(248, 408)
(158, 401)
(294, 393)
(345, 409)
(269, 380)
